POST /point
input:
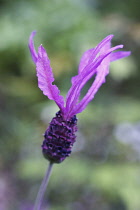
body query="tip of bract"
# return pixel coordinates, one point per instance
(32, 48)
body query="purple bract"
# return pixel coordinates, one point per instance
(94, 61)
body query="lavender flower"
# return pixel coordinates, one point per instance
(60, 135)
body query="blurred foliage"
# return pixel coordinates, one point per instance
(102, 172)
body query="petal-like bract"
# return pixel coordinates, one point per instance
(45, 78)
(117, 55)
(44, 74)
(95, 61)
(32, 48)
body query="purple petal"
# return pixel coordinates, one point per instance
(87, 69)
(32, 48)
(92, 53)
(85, 59)
(80, 80)
(100, 66)
(45, 78)
(118, 55)
(102, 72)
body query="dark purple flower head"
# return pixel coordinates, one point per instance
(94, 61)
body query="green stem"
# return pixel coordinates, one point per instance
(43, 187)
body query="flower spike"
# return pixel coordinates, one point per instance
(60, 135)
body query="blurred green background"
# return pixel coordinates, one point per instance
(103, 171)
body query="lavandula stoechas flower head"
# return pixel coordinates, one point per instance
(60, 135)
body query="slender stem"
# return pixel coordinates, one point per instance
(43, 187)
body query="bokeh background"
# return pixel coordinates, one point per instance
(104, 169)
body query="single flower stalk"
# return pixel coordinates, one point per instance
(60, 135)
